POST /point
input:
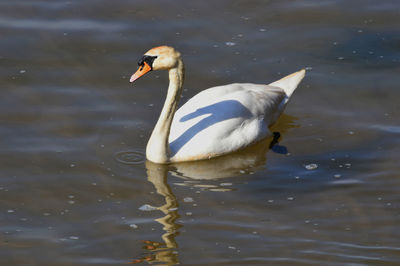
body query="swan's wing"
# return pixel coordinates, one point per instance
(223, 119)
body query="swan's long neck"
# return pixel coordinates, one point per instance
(157, 149)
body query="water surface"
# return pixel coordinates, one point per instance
(75, 187)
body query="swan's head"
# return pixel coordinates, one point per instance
(158, 58)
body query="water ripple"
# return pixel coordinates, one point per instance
(130, 157)
(387, 128)
(65, 24)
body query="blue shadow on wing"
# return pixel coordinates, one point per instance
(218, 112)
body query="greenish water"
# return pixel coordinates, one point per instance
(75, 187)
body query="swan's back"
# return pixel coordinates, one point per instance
(226, 118)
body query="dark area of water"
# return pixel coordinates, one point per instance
(75, 187)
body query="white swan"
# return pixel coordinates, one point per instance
(216, 121)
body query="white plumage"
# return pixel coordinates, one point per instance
(216, 121)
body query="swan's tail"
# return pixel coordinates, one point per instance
(289, 83)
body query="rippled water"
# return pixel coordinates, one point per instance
(75, 187)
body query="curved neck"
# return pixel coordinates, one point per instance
(157, 149)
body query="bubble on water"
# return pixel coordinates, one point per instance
(308, 68)
(22, 71)
(225, 184)
(230, 43)
(189, 214)
(71, 202)
(188, 199)
(72, 165)
(290, 198)
(262, 29)
(74, 237)
(10, 211)
(311, 166)
(337, 176)
(71, 196)
(340, 58)
(242, 171)
(147, 208)
(133, 226)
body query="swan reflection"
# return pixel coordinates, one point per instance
(200, 174)
(165, 251)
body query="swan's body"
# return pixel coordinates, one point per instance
(216, 121)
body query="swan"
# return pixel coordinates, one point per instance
(216, 121)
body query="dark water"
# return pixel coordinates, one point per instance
(74, 181)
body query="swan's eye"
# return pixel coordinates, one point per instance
(141, 62)
(148, 59)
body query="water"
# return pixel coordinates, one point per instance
(73, 134)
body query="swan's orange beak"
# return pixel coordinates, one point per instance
(140, 72)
